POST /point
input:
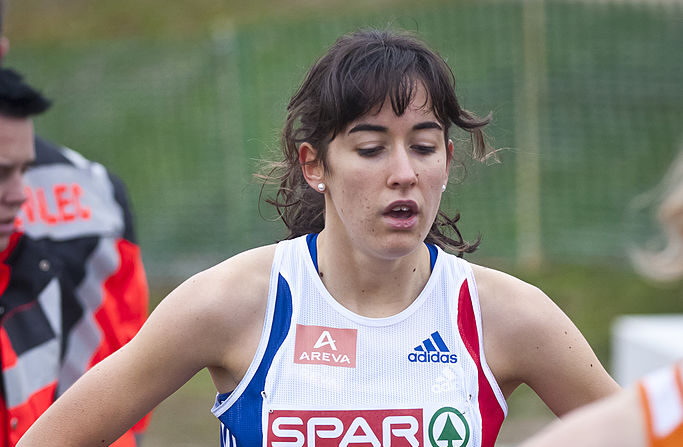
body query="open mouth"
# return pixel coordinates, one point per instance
(402, 210)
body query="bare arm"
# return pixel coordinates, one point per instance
(615, 421)
(198, 325)
(528, 339)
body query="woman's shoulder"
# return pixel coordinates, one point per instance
(254, 260)
(215, 317)
(494, 285)
(510, 304)
(239, 285)
(240, 277)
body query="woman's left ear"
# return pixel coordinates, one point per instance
(311, 167)
(449, 157)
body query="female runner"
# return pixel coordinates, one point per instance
(359, 329)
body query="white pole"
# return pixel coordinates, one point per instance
(527, 127)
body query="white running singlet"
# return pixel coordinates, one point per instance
(324, 376)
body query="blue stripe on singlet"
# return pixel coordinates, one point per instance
(243, 419)
(311, 240)
(313, 250)
(433, 252)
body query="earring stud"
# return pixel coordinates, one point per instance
(321, 187)
(443, 188)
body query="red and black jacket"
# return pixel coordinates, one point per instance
(79, 213)
(35, 302)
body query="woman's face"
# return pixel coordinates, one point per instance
(385, 177)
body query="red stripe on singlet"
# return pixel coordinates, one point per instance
(491, 413)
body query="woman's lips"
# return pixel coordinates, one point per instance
(401, 214)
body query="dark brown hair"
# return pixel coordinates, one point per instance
(359, 72)
(17, 98)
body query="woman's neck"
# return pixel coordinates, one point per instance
(368, 285)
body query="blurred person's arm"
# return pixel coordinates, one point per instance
(648, 414)
(615, 421)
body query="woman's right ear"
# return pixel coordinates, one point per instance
(311, 168)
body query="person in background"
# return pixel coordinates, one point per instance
(33, 290)
(666, 264)
(81, 214)
(649, 413)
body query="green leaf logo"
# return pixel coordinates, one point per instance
(449, 434)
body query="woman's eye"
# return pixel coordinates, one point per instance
(424, 149)
(369, 151)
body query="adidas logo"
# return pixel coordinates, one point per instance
(432, 350)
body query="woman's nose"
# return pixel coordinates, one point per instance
(402, 172)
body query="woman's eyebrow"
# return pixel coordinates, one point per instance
(377, 128)
(427, 125)
(368, 128)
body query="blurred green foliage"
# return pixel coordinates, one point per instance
(185, 118)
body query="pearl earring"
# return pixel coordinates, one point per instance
(443, 188)
(321, 187)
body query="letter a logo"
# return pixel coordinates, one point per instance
(320, 345)
(325, 339)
